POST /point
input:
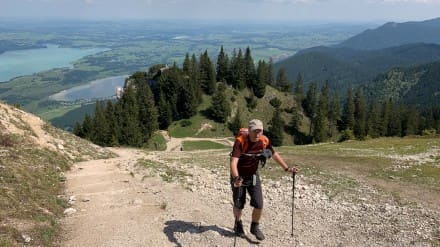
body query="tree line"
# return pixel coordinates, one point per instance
(357, 117)
(152, 100)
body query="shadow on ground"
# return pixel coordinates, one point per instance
(174, 226)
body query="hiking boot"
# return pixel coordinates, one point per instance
(238, 228)
(256, 231)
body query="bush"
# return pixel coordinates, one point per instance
(346, 135)
(251, 102)
(275, 102)
(185, 123)
(428, 132)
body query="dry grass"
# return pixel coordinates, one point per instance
(32, 177)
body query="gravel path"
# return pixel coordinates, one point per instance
(118, 203)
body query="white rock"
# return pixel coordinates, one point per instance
(26, 238)
(69, 211)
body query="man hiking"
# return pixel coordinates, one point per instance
(246, 154)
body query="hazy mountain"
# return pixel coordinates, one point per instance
(395, 34)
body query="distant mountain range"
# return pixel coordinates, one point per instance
(360, 59)
(395, 34)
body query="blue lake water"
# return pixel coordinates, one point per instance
(96, 89)
(27, 62)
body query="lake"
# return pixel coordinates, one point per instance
(27, 62)
(95, 89)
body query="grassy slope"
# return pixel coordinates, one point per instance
(263, 111)
(31, 180)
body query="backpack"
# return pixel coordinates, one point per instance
(242, 137)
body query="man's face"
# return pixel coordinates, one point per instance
(255, 134)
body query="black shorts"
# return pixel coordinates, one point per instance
(254, 191)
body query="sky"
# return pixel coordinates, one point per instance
(246, 10)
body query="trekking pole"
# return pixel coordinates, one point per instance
(293, 198)
(236, 203)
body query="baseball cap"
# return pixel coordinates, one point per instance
(255, 124)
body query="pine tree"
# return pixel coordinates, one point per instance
(110, 115)
(169, 84)
(101, 134)
(77, 130)
(187, 101)
(395, 124)
(220, 109)
(387, 108)
(130, 129)
(299, 89)
(165, 113)
(347, 118)
(186, 67)
(374, 120)
(207, 74)
(236, 123)
(194, 79)
(310, 104)
(260, 84)
(222, 66)
(148, 114)
(238, 74)
(334, 115)
(410, 121)
(249, 68)
(320, 121)
(295, 122)
(282, 82)
(360, 115)
(87, 127)
(276, 129)
(270, 73)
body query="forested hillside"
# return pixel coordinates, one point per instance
(418, 86)
(237, 90)
(344, 67)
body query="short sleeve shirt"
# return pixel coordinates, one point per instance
(248, 165)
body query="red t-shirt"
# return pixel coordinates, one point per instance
(248, 165)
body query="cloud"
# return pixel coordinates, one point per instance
(406, 1)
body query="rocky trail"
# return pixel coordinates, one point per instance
(116, 202)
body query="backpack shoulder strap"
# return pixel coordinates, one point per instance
(265, 141)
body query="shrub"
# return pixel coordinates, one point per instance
(346, 135)
(275, 102)
(185, 123)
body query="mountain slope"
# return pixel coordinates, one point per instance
(416, 85)
(395, 34)
(33, 157)
(346, 66)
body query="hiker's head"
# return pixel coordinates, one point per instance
(255, 128)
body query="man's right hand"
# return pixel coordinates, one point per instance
(238, 181)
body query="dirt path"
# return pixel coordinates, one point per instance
(117, 208)
(113, 209)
